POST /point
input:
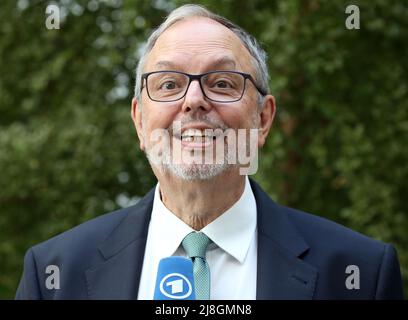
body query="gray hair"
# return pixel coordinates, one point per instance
(192, 10)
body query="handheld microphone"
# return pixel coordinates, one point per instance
(175, 279)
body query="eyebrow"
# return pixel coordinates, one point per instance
(220, 62)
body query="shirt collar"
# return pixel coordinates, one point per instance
(233, 231)
(167, 229)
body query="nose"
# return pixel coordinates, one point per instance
(194, 100)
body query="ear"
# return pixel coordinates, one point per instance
(136, 113)
(267, 115)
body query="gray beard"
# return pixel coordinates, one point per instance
(191, 171)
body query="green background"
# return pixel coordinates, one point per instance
(69, 151)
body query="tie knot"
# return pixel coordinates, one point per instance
(195, 244)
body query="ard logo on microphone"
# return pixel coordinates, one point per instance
(175, 279)
(176, 286)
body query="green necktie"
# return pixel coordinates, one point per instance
(195, 244)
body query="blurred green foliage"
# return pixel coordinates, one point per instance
(68, 148)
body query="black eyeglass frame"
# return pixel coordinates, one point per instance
(198, 77)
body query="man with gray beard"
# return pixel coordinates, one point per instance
(202, 108)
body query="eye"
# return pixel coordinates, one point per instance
(222, 84)
(168, 85)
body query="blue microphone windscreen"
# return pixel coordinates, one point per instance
(175, 279)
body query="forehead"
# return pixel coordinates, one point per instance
(197, 45)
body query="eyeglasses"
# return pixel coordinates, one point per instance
(217, 86)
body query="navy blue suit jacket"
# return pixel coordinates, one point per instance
(300, 256)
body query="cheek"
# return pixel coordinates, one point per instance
(238, 116)
(160, 116)
(232, 117)
(250, 109)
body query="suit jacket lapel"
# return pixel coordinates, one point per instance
(118, 276)
(281, 273)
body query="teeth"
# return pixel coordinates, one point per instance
(196, 138)
(188, 139)
(197, 133)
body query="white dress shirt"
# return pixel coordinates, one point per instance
(232, 257)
